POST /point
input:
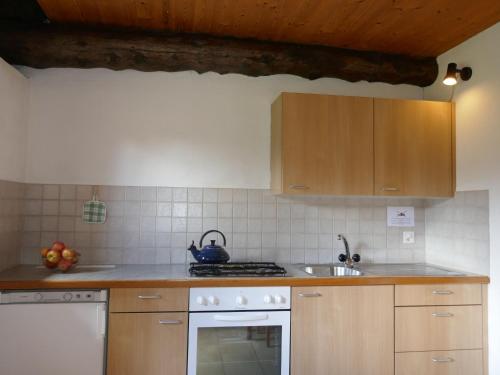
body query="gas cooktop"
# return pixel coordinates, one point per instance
(248, 269)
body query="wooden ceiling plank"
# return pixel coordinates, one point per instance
(62, 10)
(204, 15)
(416, 27)
(288, 19)
(89, 11)
(116, 12)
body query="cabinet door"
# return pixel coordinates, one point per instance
(327, 144)
(343, 330)
(147, 344)
(414, 148)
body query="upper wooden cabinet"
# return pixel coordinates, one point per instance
(414, 148)
(340, 145)
(322, 144)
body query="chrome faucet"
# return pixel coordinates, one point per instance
(346, 258)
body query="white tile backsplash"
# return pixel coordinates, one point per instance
(156, 224)
(457, 232)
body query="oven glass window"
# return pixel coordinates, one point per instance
(239, 351)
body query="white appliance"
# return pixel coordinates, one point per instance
(52, 332)
(239, 331)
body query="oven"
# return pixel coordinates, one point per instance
(239, 331)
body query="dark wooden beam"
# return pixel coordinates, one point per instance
(46, 46)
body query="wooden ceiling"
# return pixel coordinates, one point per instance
(410, 27)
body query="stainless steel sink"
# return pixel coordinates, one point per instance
(329, 270)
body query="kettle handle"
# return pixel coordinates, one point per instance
(212, 231)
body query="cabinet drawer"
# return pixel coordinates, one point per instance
(438, 294)
(148, 299)
(459, 362)
(438, 328)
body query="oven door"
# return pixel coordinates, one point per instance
(239, 343)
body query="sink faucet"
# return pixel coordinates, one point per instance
(346, 258)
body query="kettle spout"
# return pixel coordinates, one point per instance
(194, 251)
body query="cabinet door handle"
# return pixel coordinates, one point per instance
(442, 292)
(299, 187)
(390, 188)
(442, 359)
(156, 296)
(167, 322)
(442, 314)
(309, 295)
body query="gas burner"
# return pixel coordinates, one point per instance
(250, 269)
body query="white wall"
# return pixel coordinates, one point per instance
(175, 129)
(13, 122)
(478, 146)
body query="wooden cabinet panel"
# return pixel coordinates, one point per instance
(414, 148)
(438, 328)
(148, 299)
(147, 344)
(443, 294)
(342, 330)
(322, 144)
(460, 362)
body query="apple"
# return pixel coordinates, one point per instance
(64, 265)
(58, 246)
(54, 256)
(48, 264)
(68, 254)
(44, 252)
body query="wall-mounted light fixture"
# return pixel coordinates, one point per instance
(452, 72)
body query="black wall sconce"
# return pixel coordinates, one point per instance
(452, 72)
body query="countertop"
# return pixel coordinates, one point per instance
(151, 276)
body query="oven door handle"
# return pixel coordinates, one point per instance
(241, 317)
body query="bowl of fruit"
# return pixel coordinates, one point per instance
(59, 257)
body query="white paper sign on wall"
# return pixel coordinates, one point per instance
(400, 216)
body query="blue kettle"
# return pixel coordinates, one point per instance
(212, 253)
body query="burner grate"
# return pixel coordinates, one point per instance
(251, 269)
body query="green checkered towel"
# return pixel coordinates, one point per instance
(94, 212)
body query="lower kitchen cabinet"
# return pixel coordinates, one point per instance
(147, 343)
(343, 330)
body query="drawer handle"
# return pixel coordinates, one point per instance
(156, 296)
(390, 188)
(442, 292)
(166, 322)
(442, 314)
(442, 359)
(309, 295)
(299, 187)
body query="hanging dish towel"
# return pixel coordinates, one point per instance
(94, 211)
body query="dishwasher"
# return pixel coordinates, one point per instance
(53, 332)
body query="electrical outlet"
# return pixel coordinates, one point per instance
(408, 237)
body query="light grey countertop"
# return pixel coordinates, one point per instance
(172, 273)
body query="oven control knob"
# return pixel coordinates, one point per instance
(67, 297)
(279, 299)
(213, 300)
(268, 299)
(240, 300)
(200, 300)
(38, 297)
